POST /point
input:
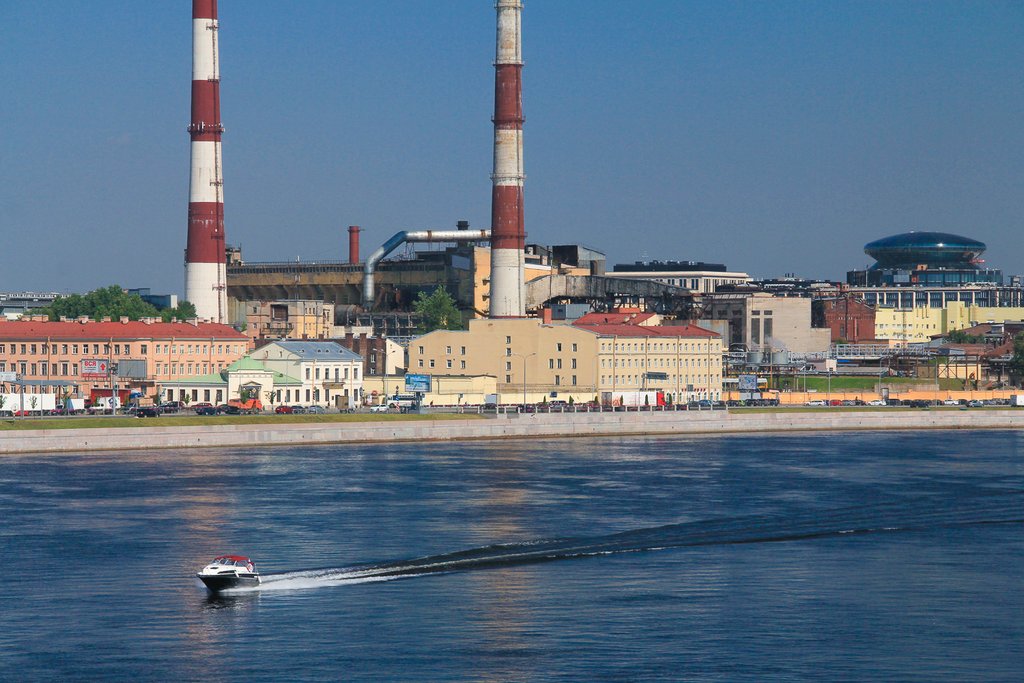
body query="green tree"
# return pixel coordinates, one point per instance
(1017, 362)
(113, 302)
(183, 311)
(961, 337)
(438, 310)
(186, 399)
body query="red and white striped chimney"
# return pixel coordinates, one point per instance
(508, 236)
(205, 270)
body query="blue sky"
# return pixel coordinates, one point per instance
(774, 137)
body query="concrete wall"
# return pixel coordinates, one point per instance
(510, 426)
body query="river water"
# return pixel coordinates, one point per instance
(855, 556)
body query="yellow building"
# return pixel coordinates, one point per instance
(532, 361)
(917, 325)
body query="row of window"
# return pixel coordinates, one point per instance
(665, 347)
(558, 380)
(639, 379)
(339, 372)
(659, 362)
(448, 364)
(97, 349)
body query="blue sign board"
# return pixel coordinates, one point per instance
(748, 382)
(417, 383)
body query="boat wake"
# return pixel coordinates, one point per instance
(895, 517)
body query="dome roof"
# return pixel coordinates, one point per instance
(935, 249)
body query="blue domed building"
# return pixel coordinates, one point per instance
(925, 259)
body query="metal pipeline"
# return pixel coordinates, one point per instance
(413, 236)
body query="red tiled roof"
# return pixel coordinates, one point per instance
(632, 318)
(652, 331)
(30, 329)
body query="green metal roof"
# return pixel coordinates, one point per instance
(245, 363)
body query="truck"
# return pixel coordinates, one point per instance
(248, 407)
(72, 406)
(638, 399)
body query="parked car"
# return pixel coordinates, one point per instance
(147, 411)
(227, 409)
(951, 402)
(876, 402)
(197, 406)
(816, 403)
(170, 406)
(206, 410)
(223, 408)
(379, 409)
(975, 404)
(316, 410)
(283, 410)
(299, 410)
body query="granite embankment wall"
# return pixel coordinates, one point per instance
(510, 426)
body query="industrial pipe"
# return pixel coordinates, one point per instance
(413, 236)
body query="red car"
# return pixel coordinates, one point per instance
(284, 410)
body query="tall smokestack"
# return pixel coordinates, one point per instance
(353, 244)
(205, 271)
(508, 236)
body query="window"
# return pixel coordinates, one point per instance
(421, 362)
(508, 352)
(573, 363)
(559, 363)
(431, 362)
(33, 349)
(307, 373)
(551, 363)
(447, 350)
(145, 349)
(558, 347)
(508, 379)
(558, 380)
(462, 365)
(421, 350)
(463, 350)
(448, 364)
(574, 349)
(117, 349)
(508, 340)
(508, 365)
(574, 380)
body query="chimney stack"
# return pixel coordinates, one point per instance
(205, 269)
(353, 244)
(508, 235)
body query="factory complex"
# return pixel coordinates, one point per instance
(539, 323)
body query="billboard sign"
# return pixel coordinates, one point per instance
(417, 383)
(8, 376)
(130, 369)
(748, 382)
(94, 367)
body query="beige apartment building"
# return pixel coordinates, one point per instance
(531, 360)
(82, 355)
(289, 319)
(759, 321)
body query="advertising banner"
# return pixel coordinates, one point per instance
(417, 383)
(94, 367)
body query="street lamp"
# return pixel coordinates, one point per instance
(524, 356)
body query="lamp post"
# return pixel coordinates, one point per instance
(524, 356)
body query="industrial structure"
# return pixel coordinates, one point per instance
(508, 235)
(205, 268)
